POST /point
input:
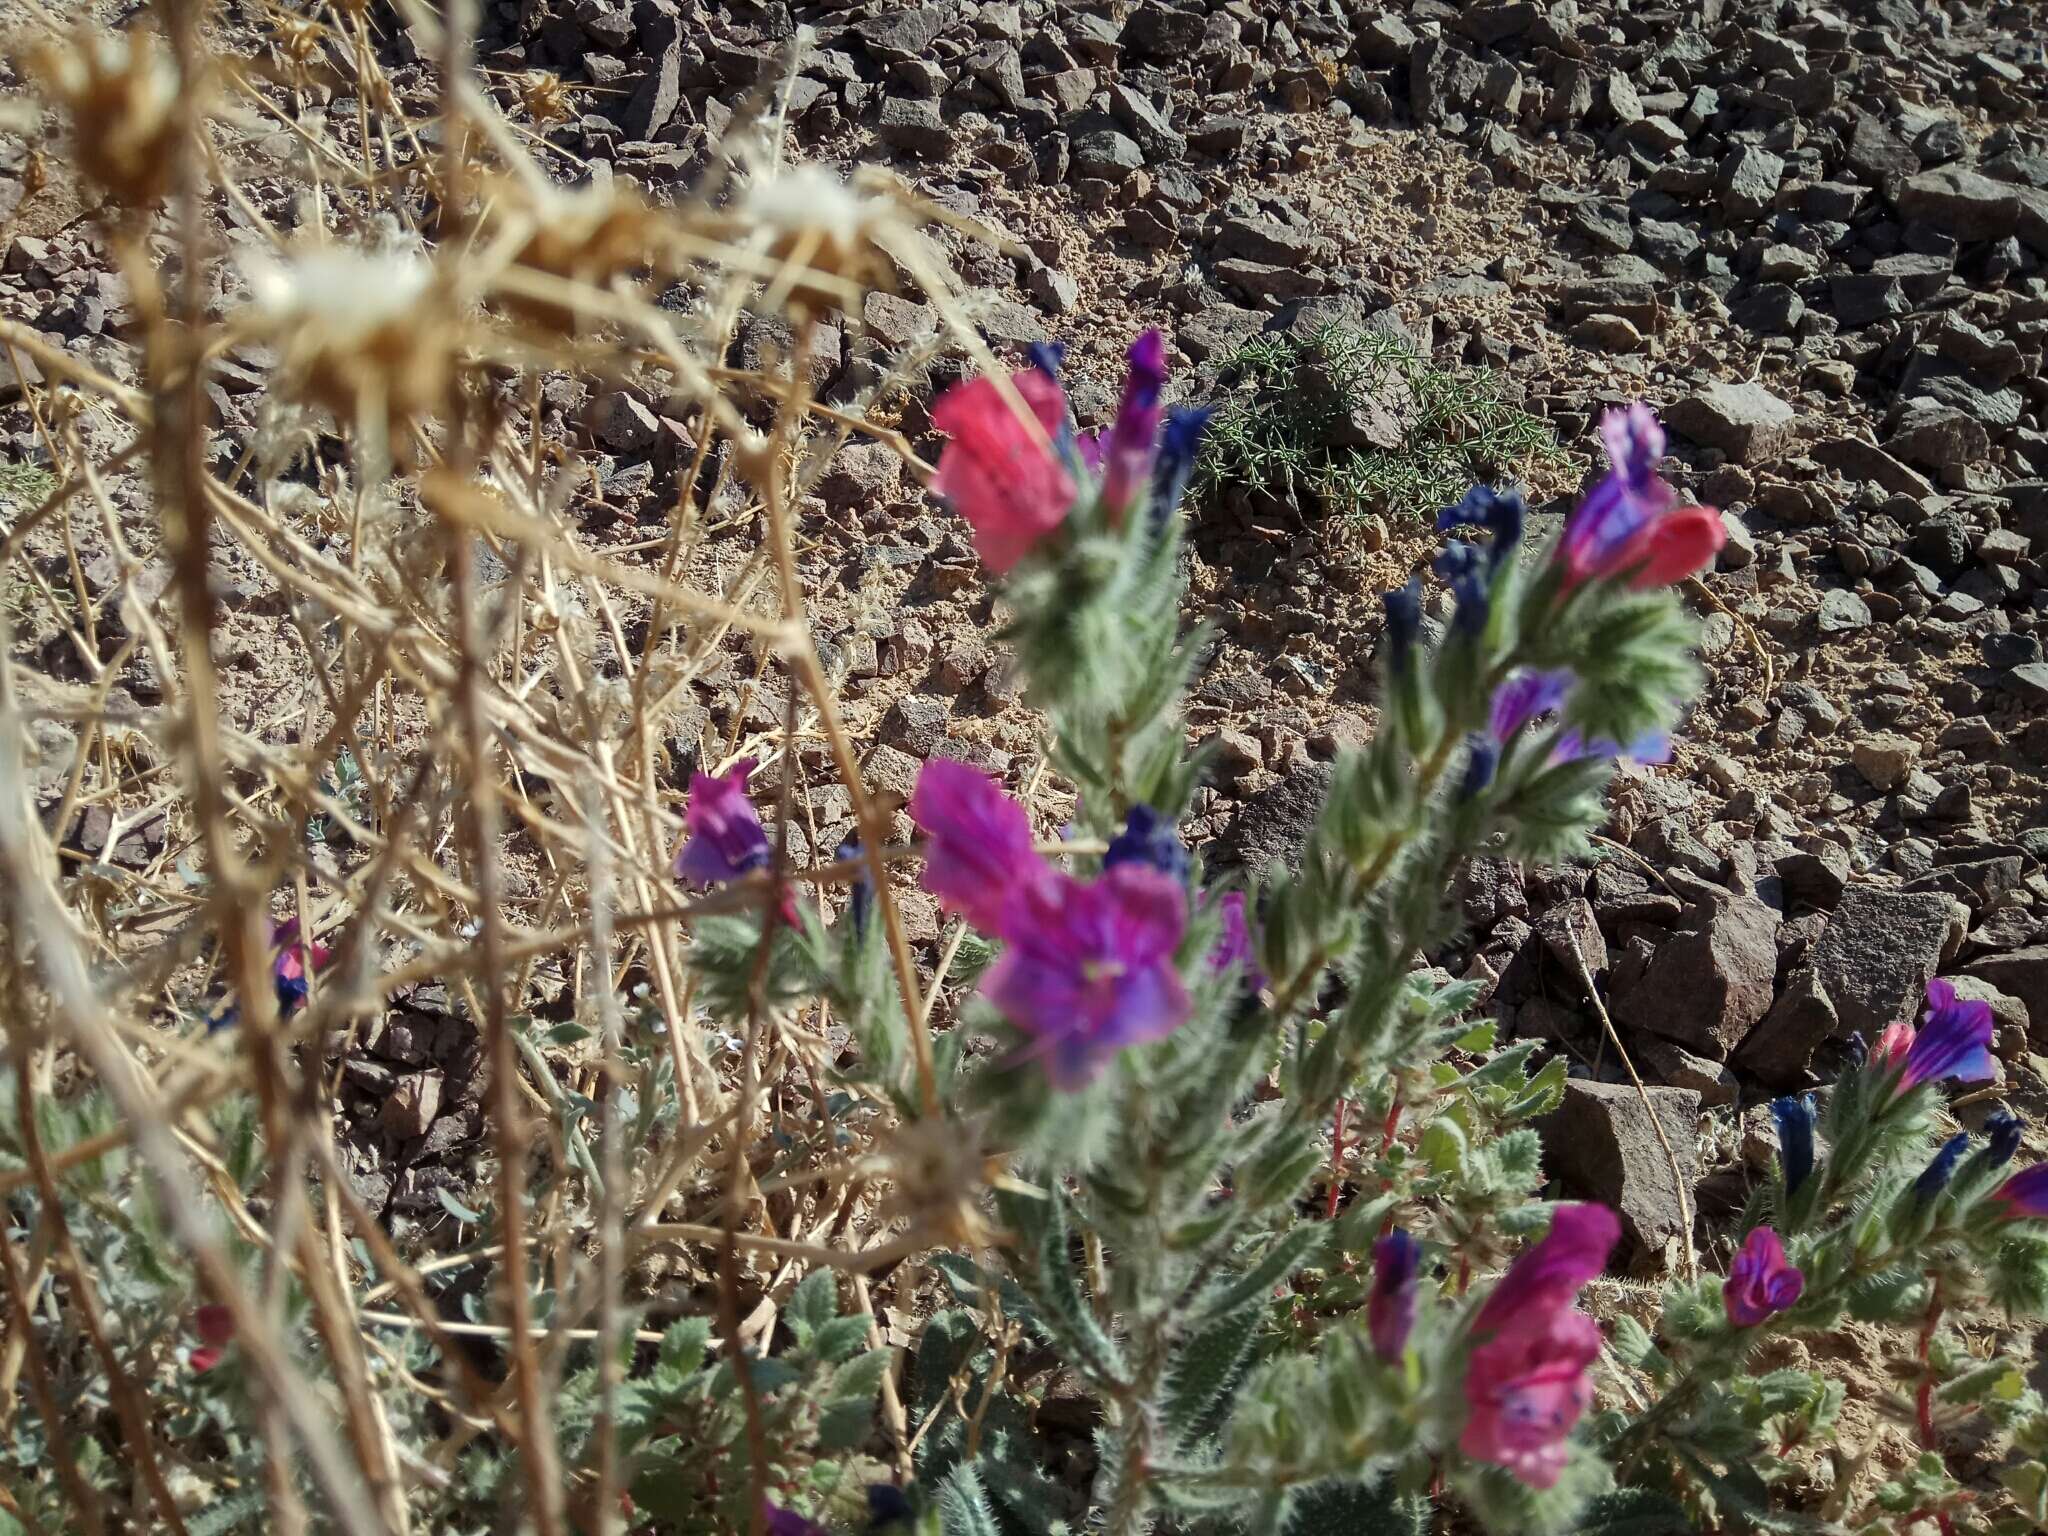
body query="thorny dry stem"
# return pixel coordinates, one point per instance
(462, 639)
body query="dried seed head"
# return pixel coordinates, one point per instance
(121, 92)
(938, 1173)
(297, 40)
(588, 236)
(371, 336)
(544, 96)
(819, 224)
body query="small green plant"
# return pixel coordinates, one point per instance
(1354, 418)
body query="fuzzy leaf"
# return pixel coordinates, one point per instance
(1205, 1365)
(812, 1305)
(1634, 1512)
(1358, 1509)
(1281, 1260)
(963, 1505)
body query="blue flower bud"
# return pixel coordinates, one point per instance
(2002, 1137)
(1482, 757)
(862, 897)
(1935, 1176)
(1047, 356)
(1461, 565)
(1404, 621)
(1501, 513)
(1178, 442)
(1148, 838)
(1794, 1116)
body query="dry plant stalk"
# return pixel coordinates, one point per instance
(477, 724)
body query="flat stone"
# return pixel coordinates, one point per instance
(1884, 760)
(1602, 1144)
(1745, 421)
(1710, 983)
(1961, 203)
(915, 124)
(1880, 949)
(1779, 1051)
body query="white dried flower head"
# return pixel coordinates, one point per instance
(589, 236)
(121, 91)
(815, 222)
(370, 335)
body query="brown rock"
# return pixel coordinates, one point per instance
(1602, 1144)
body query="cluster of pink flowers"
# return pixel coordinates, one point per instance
(1526, 1385)
(1630, 524)
(1088, 966)
(1017, 474)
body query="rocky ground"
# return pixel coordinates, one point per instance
(1815, 238)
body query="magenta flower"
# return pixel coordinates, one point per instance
(980, 842)
(1132, 442)
(1234, 946)
(1572, 1252)
(1953, 1041)
(1761, 1282)
(2025, 1193)
(1630, 520)
(1087, 968)
(1390, 1309)
(1526, 1384)
(1523, 697)
(999, 470)
(725, 836)
(296, 961)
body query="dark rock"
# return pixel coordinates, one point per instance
(1158, 31)
(1780, 1050)
(1155, 136)
(1602, 1143)
(1274, 822)
(1878, 952)
(1978, 883)
(1816, 877)
(1709, 984)
(1963, 203)
(1571, 933)
(904, 34)
(2022, 974)
(1107, 154)
(917, 125)
(1745, 421)
(1747, 180)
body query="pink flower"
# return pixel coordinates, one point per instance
(1761, 1282)
(296, 961)
(215, 1326)
(1526, 1384)
(980, 842)
(1630, 520)
(1000, 473)
(1234, 946)
(726, 838)
(1893, 1044)
(1087, 968)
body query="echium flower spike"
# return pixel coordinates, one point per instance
(1132, 442)
(1629, 521)
(1953, 1041)
(1088, 968)
(1794, 1116)
(1001, 475)
(726, 839)
(1525, 697)
(860, 899)
(1482, 759)
(1761, 1281)
(1234, 946)
(980, 842)
(2002, 1132)
(1048, 357)
(1178, 445)
(1460, 565)
(1390, 1309)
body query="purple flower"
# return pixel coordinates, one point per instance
(1652, 747)
(2025, 1193)
(980, 841)
(1941, 1168)
(1525, 696)
(1087, 968)
(1234, 947)
(1761, 1282)
(1132, 442)
(1465, 570)
(787, 1522)
(1795, 1116)
(726, 840)
(1404, 620)
(1953, 1040)
(1482, 759)
(1148, 838)
(2002, 1132)
(1177, 445)
(1390, 1309)
(1625, 501)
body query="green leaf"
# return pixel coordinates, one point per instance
(1280, 1261)
(684, 1345)
(812, 1305)
(457, 1209)
(570, 1033)
(1206, 1364)
(839, 1338)
(963, 1505)
(1358, 1509)
(1041, 1226)
(1635, 1512)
